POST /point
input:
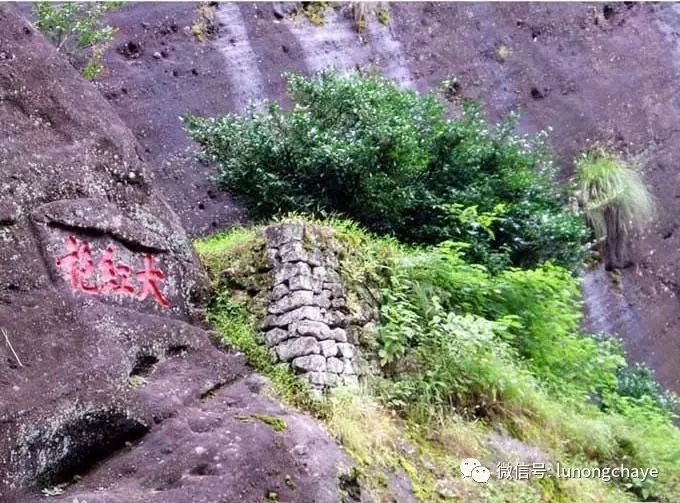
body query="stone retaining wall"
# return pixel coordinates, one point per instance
(308, 317)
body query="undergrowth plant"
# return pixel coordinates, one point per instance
(77, 30)
(359, 12)
(389, 159)
(313, 11)
(205, 25)
(539, 311)
(461, 352)
(507, 348)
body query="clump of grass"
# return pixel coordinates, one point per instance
(277, 424)
(378, 441)
(366, 431)
(360, 14)
(313, 11)
(136, 381)
(205, 24)
(502, 52)
(383, 15)
(615, 201)
(52, 491)
(218, 249)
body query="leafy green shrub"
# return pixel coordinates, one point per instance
(526, 360)
(76, 29)
(390, 160)
(637, 382)
(456, 362)
(313, 11)
(635, 386)
(540, 309)
(546, 307)
(615, 200)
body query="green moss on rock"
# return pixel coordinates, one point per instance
(277, 424)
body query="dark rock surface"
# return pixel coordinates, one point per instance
(606, 79)
(101, 373)
(150, 94)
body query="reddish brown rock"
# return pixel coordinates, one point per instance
(102, 374)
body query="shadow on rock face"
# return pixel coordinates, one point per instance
(69, 446)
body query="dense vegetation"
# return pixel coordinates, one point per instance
(391, 160)
(480, 306)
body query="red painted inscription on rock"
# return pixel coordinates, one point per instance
(108, 276)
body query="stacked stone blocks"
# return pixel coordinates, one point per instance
(306, 323)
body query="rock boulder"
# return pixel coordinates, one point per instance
(102, 373)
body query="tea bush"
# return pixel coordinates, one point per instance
(389, 159)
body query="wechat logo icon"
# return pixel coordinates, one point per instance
(472, 468)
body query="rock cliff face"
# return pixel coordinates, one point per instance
(101, 373)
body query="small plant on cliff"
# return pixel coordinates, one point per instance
(53, 491)
(615, 200)
(383, 15)
(389, 159)
(205, 24)
(77, 29)
(359, 13)
(313, 11)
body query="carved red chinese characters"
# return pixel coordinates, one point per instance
(79, 265)
(79, 268)
(148, 278)
(116, 277)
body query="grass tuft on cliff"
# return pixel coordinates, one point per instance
(615, 200)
